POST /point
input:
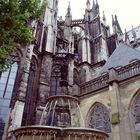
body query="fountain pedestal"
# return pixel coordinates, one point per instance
(57, 133)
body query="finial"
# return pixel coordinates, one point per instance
(113, 22)
(94, 8)
(116, 18)
(126, 39)
(134, 33)
(88, 4)
(125, 30)
(69, 10)
(104, 17)
(97, 5)
(118, 27)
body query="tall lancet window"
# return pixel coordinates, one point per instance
(7, 81)
(55, 88)
(99, 118)
(136, 113)
(31, 96)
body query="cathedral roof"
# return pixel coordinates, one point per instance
(123, 55)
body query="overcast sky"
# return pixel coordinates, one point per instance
(127, 11)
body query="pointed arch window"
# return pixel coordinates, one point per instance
(136, 109)
(7, 81)
(99, 118)
(136, 113)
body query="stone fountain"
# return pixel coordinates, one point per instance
(61, 120)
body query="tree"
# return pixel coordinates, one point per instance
(15, 20)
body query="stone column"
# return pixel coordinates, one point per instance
(70, 72)
(84, 51)
(120, 122)
(87, 47)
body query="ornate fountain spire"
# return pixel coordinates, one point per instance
(88, 4)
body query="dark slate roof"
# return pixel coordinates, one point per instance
(122, 56)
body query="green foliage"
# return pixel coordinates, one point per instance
(15, 26)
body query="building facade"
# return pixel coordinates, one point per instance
(101, 69)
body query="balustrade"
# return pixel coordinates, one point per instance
(128, 71)
(122, 73)
(95, 84)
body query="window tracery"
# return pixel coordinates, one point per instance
(99, 118)
(136, 109)
(55, 80)
(7, 81)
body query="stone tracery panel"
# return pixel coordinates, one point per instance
(136, 109)
(55, 79)
(99, 118)
(136, 114)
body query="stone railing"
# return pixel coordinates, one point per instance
(118, 74)
(78, 21)
(94, 84)
(128, 71)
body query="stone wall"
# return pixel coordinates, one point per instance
(118, 99)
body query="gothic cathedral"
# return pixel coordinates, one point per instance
(79, 58)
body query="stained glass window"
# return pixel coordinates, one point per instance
(136, 109)
(136, 114)
(99, 118)
(7, 80)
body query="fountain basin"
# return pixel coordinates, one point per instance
(57, 133)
